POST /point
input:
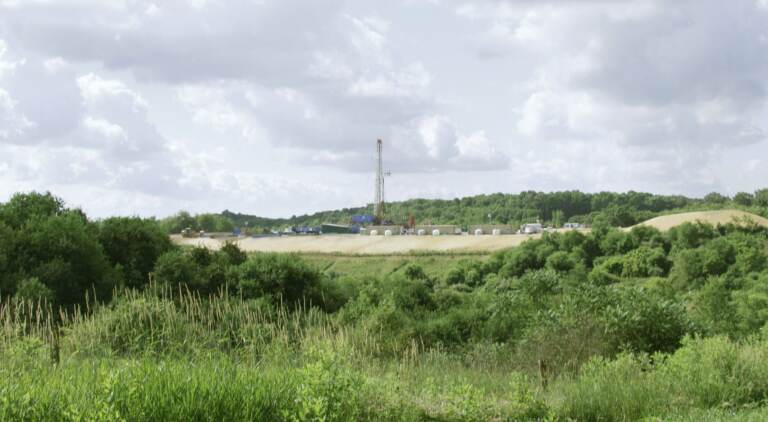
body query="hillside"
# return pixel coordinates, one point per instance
(616, 209)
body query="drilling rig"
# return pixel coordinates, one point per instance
(378, 201)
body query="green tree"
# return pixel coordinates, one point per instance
(761, 197)
(64, 253)
(135, 244)
(24, 206)
(715, 198)
(744, 198)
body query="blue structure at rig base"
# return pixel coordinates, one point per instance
(362, 219)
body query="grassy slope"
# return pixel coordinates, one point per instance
(436, 265)
(148, 359)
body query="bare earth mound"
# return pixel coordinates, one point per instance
(666, 222)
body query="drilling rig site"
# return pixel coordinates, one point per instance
(378, 233)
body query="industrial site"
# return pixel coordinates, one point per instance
(377, 233)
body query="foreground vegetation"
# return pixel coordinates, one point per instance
(109, 321)
(155, 357)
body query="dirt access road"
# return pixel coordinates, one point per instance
(366, 245)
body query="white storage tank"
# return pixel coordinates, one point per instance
(479, 232)
(374, 232)
(421, 232)
(435, 232)
(496, 232)
(387, 232)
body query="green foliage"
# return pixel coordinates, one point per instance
(202, 222)
(744, 199)
(33, 290)
(22, 207)
(278, 276)
(645, 262)
(691, 235)
(67, 255)
(64, 253)
(761, 197)
(561, 262)
(703, 374)
(328, 390)
(134, 244)
(637, 321)
(616, 242)
(177, 267)
(234, 254)
(385, 338)
(715, 198)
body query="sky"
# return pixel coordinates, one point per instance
(273, 107)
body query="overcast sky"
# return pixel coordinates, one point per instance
(273, 107)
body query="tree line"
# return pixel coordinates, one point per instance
(556, 208)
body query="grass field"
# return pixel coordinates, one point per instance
(434, 265)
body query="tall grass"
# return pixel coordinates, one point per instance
(162, 355)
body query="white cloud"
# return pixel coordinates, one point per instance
(646, 79)
(94, 89)
(188, 103)
(411, 81)
(104, 127)
(12, 123)
(54, 64)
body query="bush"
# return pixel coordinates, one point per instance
(135, 244)
(645, 262)
(234, 254)
(637, 321)
(31, 289)
(177, 268)
(281, 277)
(560, 262)
(617, 242)
(328, 390)
(691, 235)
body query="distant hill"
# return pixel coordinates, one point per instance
(617, 209)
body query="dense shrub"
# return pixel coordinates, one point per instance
(638, 321)
(284, 278)
(178, 268)
(134, 244)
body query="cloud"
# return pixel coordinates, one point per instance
(672, 85)
(277, 105)
(333, 85)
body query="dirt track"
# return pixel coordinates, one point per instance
(367, 245)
